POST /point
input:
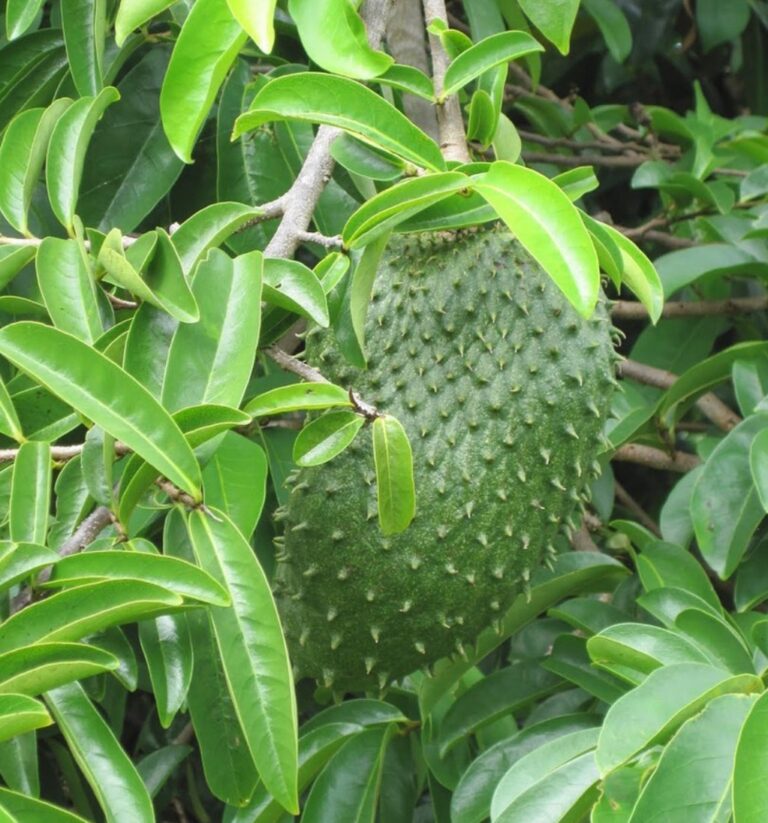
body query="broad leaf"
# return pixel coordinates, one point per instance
(255, 16)
(395, 490)
(324, 438)
(31, 494)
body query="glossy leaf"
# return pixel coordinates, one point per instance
(19, 16)
(110, 773)
(18, 561)
(68, 288)
(86, 379)
(211, 361)
(22, 155)
(31, 493)
(134, 13)
(653, 711)
(169, 572)
(19, 714)
(254, 655)
(12, 260)
(750, 798)
(323, 439)
(553, 20)
(159, 766)
(337, 101)
(395, 490)
(84, 24)
(408, 79)
(66, 152)
(665, 565)
(722, 644)
(725, 505)
(292, 286)
(334, 37)
(37, 668)
(198, 66)
(255, 16)
(548, 226)
(9, 418)
(488, 53)
(23, 807)
(168, 652)
(295, 397)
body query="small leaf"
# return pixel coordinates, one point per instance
(31, 493)
(548, 225)
(86, 380)
(208, 44)
(255, 16)
(395, 491)
(334, 37)
(489, 52)
(110, 773)
(292, 286)
(66, 152)
(325, 438)
(168, 652)
(9, 419)
(134, 13)
(554, 20)
(613, 25)
(337, 101)
(18, 561)
(295, 397)
(20, 714)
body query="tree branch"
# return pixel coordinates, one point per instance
(629, 502)
(453, 139)
(656, 458)
(630, 310)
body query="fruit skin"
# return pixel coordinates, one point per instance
(503, 390)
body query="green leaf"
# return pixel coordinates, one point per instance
(66, 152)
(165, 278)
(12, 260)
(224, 340)
(20, 15)
(334, 37)
(554, 19)
(207, 229)
(75, 613)
(337, 101)
(35, 669)
(395, 491)
(295, 397)
(130, 164)
(396, 204)
(578, 182)
(347, 789)
(31, 493)
(235, 481)
(134, 13)
(68, 288)
(722, 644)
(652, 712)
(9, 419)
(253, 653)
(18, 561)
(110, 773)
(84, 23)
(408, 79)
(173, 574)
(157, 768)
(292, 286)
(22, 155)
(665, 565)
(323, 439)
(613, 26)
(364, 160)
(208, 44)
(750, 797)
(504, 692)
(548, 225)
(168, 652)
(536, 767)
(725, 505)
(86, 380)
(20, 714)
(750, 383)
(718, 23)
(569, 659)
(255, 16)
(479, 58)
(23, 807)
(360, 711)
(758, 463)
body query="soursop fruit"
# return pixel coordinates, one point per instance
(503, 389)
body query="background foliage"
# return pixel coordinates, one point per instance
(149, 263)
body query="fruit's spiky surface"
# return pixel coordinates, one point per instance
(503, 390)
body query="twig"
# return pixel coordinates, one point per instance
(88, 530)
(582, 540)
(119, 303)
(60, 453)
(295, 366)
(710, 405)
(572, 161)
(334, 242)
(656, 458)
(453, 139)
(663, 238)
(176, 494)
(629, 502)
(630, 310)
(600, 145)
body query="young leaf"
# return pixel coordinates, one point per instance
(253, 653)
(553, 20)
(20, 714)
(479, 58)
(256, 19)
(66, 152)
(292, 286)
(324, 438)
(334, 37)
(31, 493)
(134, 13)
(337, 101)
(19, 560)
(22, 155)
(613, 26)
(207, 45)
(295, 397)
(109, 771)
(84, 23)
(395, 491)
(548, 225)
(86, 379)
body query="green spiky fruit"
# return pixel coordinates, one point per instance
(503, 389)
